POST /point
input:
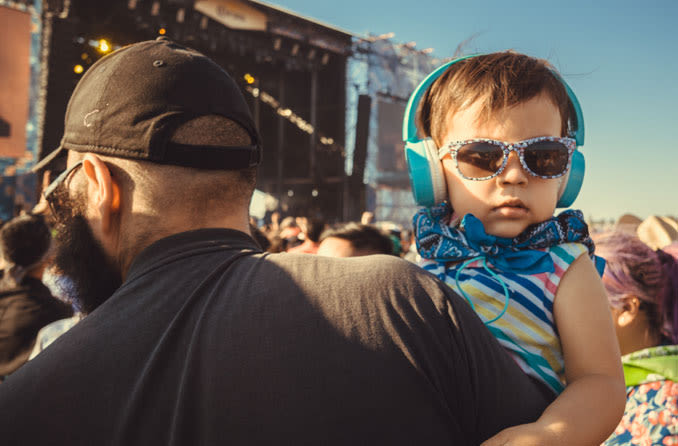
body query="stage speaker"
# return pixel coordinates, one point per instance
(355, 204)
(362, 133)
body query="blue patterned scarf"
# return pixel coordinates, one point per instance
(524, 254)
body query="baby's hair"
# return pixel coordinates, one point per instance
(499, 80)
(634, 269)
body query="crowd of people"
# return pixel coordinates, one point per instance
(303, 235)
(165, 315)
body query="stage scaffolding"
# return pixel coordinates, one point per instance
(302, 78)
(292, 71)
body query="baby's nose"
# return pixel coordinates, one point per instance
(513, 172)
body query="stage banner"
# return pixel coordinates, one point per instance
(20, 104)
(233, 13)
(15, 73)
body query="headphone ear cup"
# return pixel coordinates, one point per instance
(574, 181)
(426, 173)
(437, 172)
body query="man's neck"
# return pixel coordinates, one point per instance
(151, 230)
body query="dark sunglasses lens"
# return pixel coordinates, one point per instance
(479, 159)
(546, 158)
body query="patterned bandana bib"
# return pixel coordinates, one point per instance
(523, 254)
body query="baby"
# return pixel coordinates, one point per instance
(499, 155)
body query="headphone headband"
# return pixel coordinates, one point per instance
(410, 120)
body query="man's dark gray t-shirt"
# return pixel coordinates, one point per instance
(211, 341)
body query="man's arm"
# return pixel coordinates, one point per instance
(503, 395)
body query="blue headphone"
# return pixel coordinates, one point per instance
(426, 173)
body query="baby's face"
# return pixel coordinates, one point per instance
(514, 199)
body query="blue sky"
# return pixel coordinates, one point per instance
(620, 58)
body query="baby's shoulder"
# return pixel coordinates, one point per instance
(566, 253)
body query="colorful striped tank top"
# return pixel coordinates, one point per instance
(527, 328)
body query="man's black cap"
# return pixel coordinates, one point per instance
(129, 103)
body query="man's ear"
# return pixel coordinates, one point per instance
(103, 191)
(629, 311)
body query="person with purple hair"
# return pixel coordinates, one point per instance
(642, 286)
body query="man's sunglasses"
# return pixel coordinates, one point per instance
(49, 190)
(482, 159)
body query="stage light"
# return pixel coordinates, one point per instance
(249, 78)
(314, 192)
(84, 56)
(162, 31)
(104, 46)
(78, 69)
(290, 193)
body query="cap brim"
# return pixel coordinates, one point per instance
(44, 163)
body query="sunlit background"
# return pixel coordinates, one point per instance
(618, 56)
(306, 65)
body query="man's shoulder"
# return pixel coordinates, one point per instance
(374, 271)
(367, 265)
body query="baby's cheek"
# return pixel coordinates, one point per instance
(562, 182)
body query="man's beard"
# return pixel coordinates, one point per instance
(80, 256)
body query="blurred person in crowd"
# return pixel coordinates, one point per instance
(274, 225)
(406, 240)
(367, 218)
(642, 287)
(393, 230)
(626, 223)
(277, 244)
(195, 336)
(288, 233)
(354, 240)
(259, 236)
(672, 249)
(26, 305)
(311, 228)
(658, 232)
(500, 133)
(288, 227)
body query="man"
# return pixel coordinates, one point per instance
(197, 337)
(312, 229)
(354, 240)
